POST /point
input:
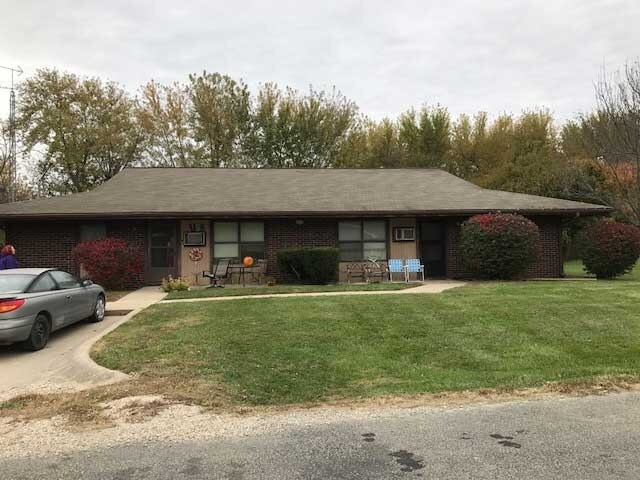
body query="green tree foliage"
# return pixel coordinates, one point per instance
(425, 137)
(468, 138)
(371, 144)
(164, 117)
(383, 145)
(87, 129)
(523, 153)
(219, 116)
(294, 130)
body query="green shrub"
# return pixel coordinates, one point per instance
(174, 284)
(312, 265)
(498, 245)
(609, 248)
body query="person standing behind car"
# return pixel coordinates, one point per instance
(8, 258)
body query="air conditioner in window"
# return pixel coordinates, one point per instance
(195, 239)
(404, 234)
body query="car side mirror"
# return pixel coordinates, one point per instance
(87, 283)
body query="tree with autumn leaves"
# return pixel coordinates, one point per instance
(82, 131)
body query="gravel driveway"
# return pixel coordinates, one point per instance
(65, 364)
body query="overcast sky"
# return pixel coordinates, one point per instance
(489, 55)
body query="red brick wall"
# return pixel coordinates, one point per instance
(49, 244)
(44, 244)
(284, 233)
(452, 257)
(548, 265)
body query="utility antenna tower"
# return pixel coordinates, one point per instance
(13, 167)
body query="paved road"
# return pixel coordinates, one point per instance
(64, 364)
(579, 438)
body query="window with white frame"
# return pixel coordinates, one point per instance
(238, 240)
(360, 240)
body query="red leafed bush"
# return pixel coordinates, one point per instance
(111, 262)
(610, 248)
(498, 245)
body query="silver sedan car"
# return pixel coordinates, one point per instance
(37, 301)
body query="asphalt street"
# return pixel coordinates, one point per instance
(594, 437)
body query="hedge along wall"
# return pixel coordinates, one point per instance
(286, 233)
(548, 264)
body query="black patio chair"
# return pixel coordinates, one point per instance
(220, 272)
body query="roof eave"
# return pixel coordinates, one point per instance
(296, 214)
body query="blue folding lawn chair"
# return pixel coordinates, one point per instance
(396, 265)
(414, 266)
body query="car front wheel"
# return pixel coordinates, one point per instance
(98, 310)
(39, 335)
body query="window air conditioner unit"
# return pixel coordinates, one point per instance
(404, 234)
(195, 239)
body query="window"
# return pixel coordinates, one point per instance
(361, 240)
(238, 240)
(15, 283)
(43, 284)
(65, 280)
(92, 231)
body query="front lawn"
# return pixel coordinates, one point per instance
(290, 350)
(234, 290)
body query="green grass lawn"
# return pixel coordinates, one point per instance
(575, 269)
(233, 290)
(290, 350)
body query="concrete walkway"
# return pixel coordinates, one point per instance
(65, 364)
(430, 286)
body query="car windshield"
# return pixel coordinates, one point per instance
(14, 283)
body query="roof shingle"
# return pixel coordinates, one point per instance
(152, 192)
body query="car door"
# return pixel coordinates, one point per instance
(44, 291)
(75, 296)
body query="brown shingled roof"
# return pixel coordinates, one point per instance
(180, 192)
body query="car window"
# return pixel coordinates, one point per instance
(14, 283)
(65, 280)
(43, 284)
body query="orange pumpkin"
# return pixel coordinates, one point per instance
(247, 261)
